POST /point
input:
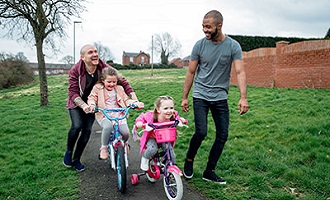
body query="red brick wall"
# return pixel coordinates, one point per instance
(125, 60)
(299, 65)
(138, 59)
(179, 62)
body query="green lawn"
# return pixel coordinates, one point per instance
(280, 149)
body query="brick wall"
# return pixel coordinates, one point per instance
(138, 60)
(299, 65)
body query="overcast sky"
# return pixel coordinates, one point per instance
(128, 25)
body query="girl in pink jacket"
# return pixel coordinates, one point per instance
(163, 112)
(107, 94)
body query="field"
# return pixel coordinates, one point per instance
(280, 149)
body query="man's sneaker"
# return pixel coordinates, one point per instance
(67, 161)
(209, 175)
(78, 166)
(188, 169)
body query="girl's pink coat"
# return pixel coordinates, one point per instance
(98, 97)
(147, 118)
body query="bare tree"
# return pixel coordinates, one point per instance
(165, 45)
(67, 59)
(104, 52)
(4, 55)
(21, 56)
(38, 22)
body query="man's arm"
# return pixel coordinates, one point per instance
(243, 105)
(188, 82)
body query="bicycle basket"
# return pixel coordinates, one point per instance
(165, 135)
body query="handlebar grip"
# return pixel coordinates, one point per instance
(133, 106)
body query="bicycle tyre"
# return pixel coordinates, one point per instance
(121, 169)
(173, 186)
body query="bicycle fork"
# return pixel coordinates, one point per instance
(112, 157)
(126, 157)
(112, 153)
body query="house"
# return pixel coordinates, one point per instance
(182, 63)
(51, 68)
(140, 58)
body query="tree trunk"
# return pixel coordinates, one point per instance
(42, 74)
(164, 57)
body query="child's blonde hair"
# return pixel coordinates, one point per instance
(157, 104)
(109, 71)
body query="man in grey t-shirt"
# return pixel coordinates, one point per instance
(209, 69)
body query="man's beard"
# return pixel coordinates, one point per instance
(214, 34)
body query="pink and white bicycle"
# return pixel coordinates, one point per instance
(162, 162)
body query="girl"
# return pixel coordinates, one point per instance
(107, 94)
(163, 112)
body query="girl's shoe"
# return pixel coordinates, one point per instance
(144, 164)
(104, 153)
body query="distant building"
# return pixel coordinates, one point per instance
(140, 58)
(182, 63)
(51, 68)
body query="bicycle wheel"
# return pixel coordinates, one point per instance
(121, 169)
(173, 186)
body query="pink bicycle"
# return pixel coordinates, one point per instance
(162, 162)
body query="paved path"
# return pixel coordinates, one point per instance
(98, 181)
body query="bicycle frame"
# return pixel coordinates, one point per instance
(116, 146)
(164, 159)
(162, 162)
(115, 138)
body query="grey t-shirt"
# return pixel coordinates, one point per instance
(212, 79)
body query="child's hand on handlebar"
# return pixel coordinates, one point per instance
(139, 125)
(183, 120)
(139, 105)
(142, 125)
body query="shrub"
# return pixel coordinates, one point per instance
(146, 66)
(15, 72)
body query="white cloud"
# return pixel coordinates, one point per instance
(128, 25)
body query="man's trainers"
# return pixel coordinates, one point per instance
(188, 169)
(209, 175)
(78, 166)
(67, 161)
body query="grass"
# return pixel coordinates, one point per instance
(280, 149)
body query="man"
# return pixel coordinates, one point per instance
(209, 68)
(82, 78)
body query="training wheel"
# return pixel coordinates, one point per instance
(134, 179)
(154, 172)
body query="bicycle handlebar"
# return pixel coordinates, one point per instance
(153, 126)
(125, 110)
(166, 124)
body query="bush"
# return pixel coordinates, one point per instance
(147, 66)
(249, 43)
(15, 72)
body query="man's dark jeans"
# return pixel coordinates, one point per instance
(80, 123)
(220, 114)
